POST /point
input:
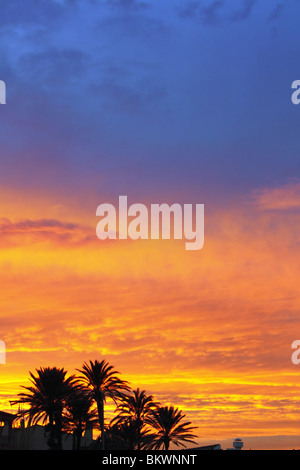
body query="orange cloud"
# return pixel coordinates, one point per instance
(279, 198)
(209, 331)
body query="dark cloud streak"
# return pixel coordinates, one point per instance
(27, 232)
(245, 11)
(276, 12)
(206, 14)
(129, 5)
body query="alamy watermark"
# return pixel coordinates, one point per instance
(2, 92)
(162, 220)
(2, 353)
(296, 94)
(296, 354)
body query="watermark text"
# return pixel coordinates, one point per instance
(2, 92)
(162, 222)
(2, 352)
(296, 94)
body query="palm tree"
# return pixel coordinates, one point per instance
(135, 408)
(79, 416)
(168, 425)
(46, 400)
(125, 435)
(103, 382)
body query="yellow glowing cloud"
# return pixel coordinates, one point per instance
(209, 331)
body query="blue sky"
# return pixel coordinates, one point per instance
(164, 101)
(158, 96)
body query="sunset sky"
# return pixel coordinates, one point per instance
(162, 101)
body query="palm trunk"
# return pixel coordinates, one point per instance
(167, 444)
(100, 407)
(51, 428)
(78, 439)
(58, 430)
(139, 424)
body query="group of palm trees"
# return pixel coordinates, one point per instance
(76, 403)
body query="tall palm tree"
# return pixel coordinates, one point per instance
(46, 400)
(102, 380)
(168, 425)
(79, 416)
(135, 408)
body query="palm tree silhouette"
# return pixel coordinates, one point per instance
(79, 416)
(46, 400)
(135, 409)
(126, 435)
(168, 426)
(102, 381)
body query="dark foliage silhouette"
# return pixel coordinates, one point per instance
(46, 400)
(79, 416)
(75, 404)
(169, 427)
(133, 411)
(103, 382)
